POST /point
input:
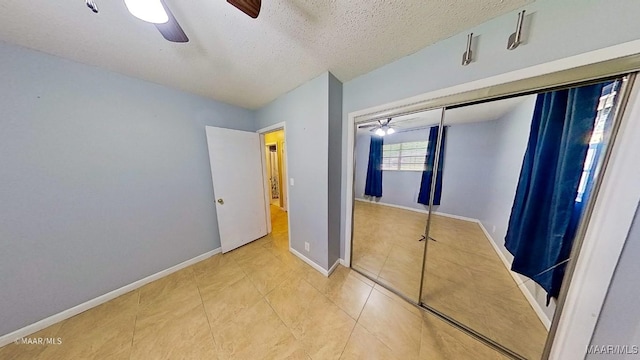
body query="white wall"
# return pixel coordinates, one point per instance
(105, 180)
(558, 29)
(305, 110)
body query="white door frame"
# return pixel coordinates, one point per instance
(285, 182)
(266, 145)
(589, 284)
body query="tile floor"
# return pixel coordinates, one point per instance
(256, 302)
(464, 277)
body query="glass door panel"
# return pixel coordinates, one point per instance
(496, 168)
(389, 223)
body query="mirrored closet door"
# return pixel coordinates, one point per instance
(392, 183)
(475, 211)
(516, 175)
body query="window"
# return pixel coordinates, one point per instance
(406, 156)
(597, 137)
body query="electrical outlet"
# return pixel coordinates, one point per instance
(306, 246)
(291, 181)
(493, 229)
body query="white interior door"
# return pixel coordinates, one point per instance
(236, 169)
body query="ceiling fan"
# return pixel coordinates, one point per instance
(382, 128)
(157, 12)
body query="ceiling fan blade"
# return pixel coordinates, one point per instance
(367, 126)
(249, 7)
(171, 30)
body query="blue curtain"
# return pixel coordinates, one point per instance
(427, 174)
(581, 201)
(545, 215)
(373, 185)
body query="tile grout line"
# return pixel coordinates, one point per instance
(286, 327)
(365, 304)
(206, 314)
(422, 325)
(349, 338)
(135, 322)
(384, 263)
(274, 310)
(356, 322)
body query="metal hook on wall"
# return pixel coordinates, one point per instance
(467, 57)
(516, 38)
(92, 5)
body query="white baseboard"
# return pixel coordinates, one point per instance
(527, 294)
(37, 326)
(333, 267)
(457, 217)
(344, 263)
(422, 211)
(313, 264)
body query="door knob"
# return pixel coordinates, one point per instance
(220, 201)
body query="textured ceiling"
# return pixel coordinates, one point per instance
(234, 58)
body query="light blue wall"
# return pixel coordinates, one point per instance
(558, 29)
(105, 180)
(305, 110)
(468, 159)
(469, 153)
(335, 167)
(618, 323)
(398, 187)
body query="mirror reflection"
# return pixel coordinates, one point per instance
(392, 187)
(516, 174)
(507, 183)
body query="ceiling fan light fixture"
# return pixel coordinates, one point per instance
(380, 132)
(152, 11)
(390, 131)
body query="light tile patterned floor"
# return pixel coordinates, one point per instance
(464, 277)
(257, 302)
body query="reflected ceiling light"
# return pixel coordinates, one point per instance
(390, 131)
(148, 10)
(380, 132)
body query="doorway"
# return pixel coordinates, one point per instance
(275, 169)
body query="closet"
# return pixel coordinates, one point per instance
(474, 206)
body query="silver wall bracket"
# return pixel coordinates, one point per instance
(92, 5)
(467, 57)
(516, 38)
